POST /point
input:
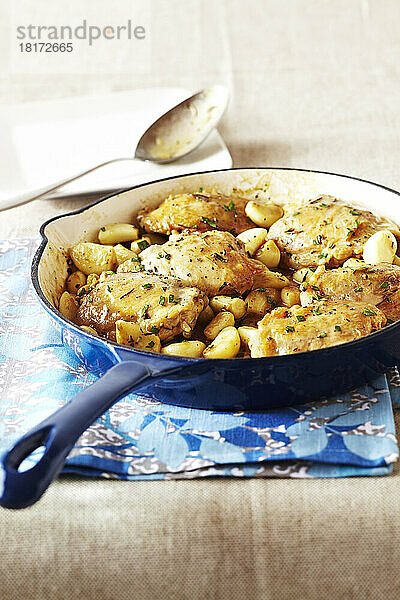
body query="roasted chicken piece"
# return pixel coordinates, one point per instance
(161, 305)
(324, 230)
(322, 324)
(378, 285)
(197, 211)
(214, 261)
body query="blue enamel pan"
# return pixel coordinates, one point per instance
(234, 384)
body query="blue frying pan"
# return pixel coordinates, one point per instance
(243, 384)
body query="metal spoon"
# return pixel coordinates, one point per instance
(175, 134)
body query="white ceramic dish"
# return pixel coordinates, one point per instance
(87, 131)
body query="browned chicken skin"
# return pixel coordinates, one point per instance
(214, 261)
(324, 230)
(378, 285)
(322, 324)
(161, 305)
(197, 211)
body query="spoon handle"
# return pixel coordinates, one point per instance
(39, 193)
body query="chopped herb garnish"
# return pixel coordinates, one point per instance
(135, 263)
(318, 239)
(353, 211)
(150, 344)
(324, 205)
(137, 267)
(390, 321)
(127, 293)
(230, 206)
(314, 287)
(219, 257)
(200, 190)
(143, 244)
(317, 311)
(289, 328)
(154, 329)
(384, 285)
(102, 229)
(108, 288)
(358, 289)
(209, 222)
(338, 328)
(144, 311)
(296, 213)
(369, 312)
(322, 335)
(351, 230)
(162, 300)
(300, 318)
(322, 255)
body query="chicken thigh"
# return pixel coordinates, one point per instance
(378, 285)
(214, 261)
(322, 324)
(161, 305)
(324, 231)
(197, 211)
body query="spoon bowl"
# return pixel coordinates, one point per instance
(184, 127)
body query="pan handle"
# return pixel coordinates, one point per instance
(58, 433)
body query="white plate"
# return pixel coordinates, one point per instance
(43, 142)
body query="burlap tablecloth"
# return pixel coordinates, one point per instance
(315, 84)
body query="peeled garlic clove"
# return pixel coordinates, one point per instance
(263, 215)
(118, 233)
(269, 254)
(253, 239)
(380, 247)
